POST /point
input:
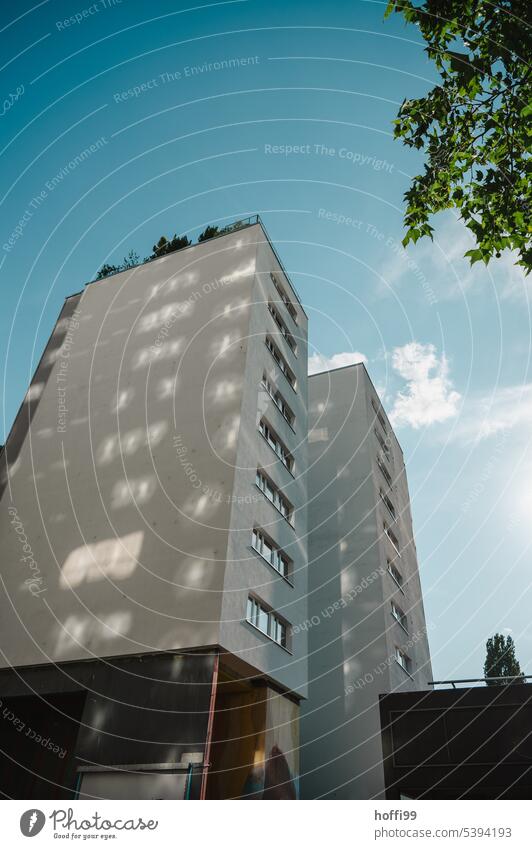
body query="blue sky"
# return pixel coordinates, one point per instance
(298, 129)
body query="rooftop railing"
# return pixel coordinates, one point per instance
(502, 679)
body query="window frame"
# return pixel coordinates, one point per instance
(282, 405)
(281, 362)
(399, 654)
(399, 615)
(384, 471)
(255, 607)
(392, 537)
(281, 324)
(277, 445)
(278, 496)
(292, 312)
(388, 503)
(390, 567)
(261, 541)
(385, 448)
(379, 413)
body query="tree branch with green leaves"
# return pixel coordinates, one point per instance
(474, 125)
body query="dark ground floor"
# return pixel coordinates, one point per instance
(165, 726)
(467, 743)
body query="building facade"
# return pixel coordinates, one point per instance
(366, 624)
(153, 524)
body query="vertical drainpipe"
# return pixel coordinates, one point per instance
(210, 724)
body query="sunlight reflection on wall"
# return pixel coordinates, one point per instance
(83, 630)
(114, 558)
(129, 443)
(128, 492)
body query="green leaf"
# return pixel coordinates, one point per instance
(472, 125)
(474, 255)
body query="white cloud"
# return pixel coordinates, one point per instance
(319, 362)
(429, 396)
(504, 409)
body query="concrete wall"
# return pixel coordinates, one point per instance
(350, 629)
(120, 490)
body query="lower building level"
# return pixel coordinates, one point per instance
(464, 743)
(164, 726)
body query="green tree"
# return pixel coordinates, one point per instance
(106, 270)
(161, 248)
(130, 261)
(474, 125)
(178, 242)
(208, 233)
(165, 246)
(501, 661)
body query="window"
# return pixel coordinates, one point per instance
(383, 444)
(395, 573)
(284, 297)
(403, 660)
(274, 495)
(267, 621)
(385, 473)
(399, 615)
(276, 445)
(378, 412)
(257, 615)
(282, 326)
(278, 630)
(388, 503)
(278, 400)
(271, 552)
(281, 362)
(391, 536)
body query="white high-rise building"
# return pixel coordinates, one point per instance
(366, 623)
(153, 525)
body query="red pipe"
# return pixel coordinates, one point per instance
(210, 724)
